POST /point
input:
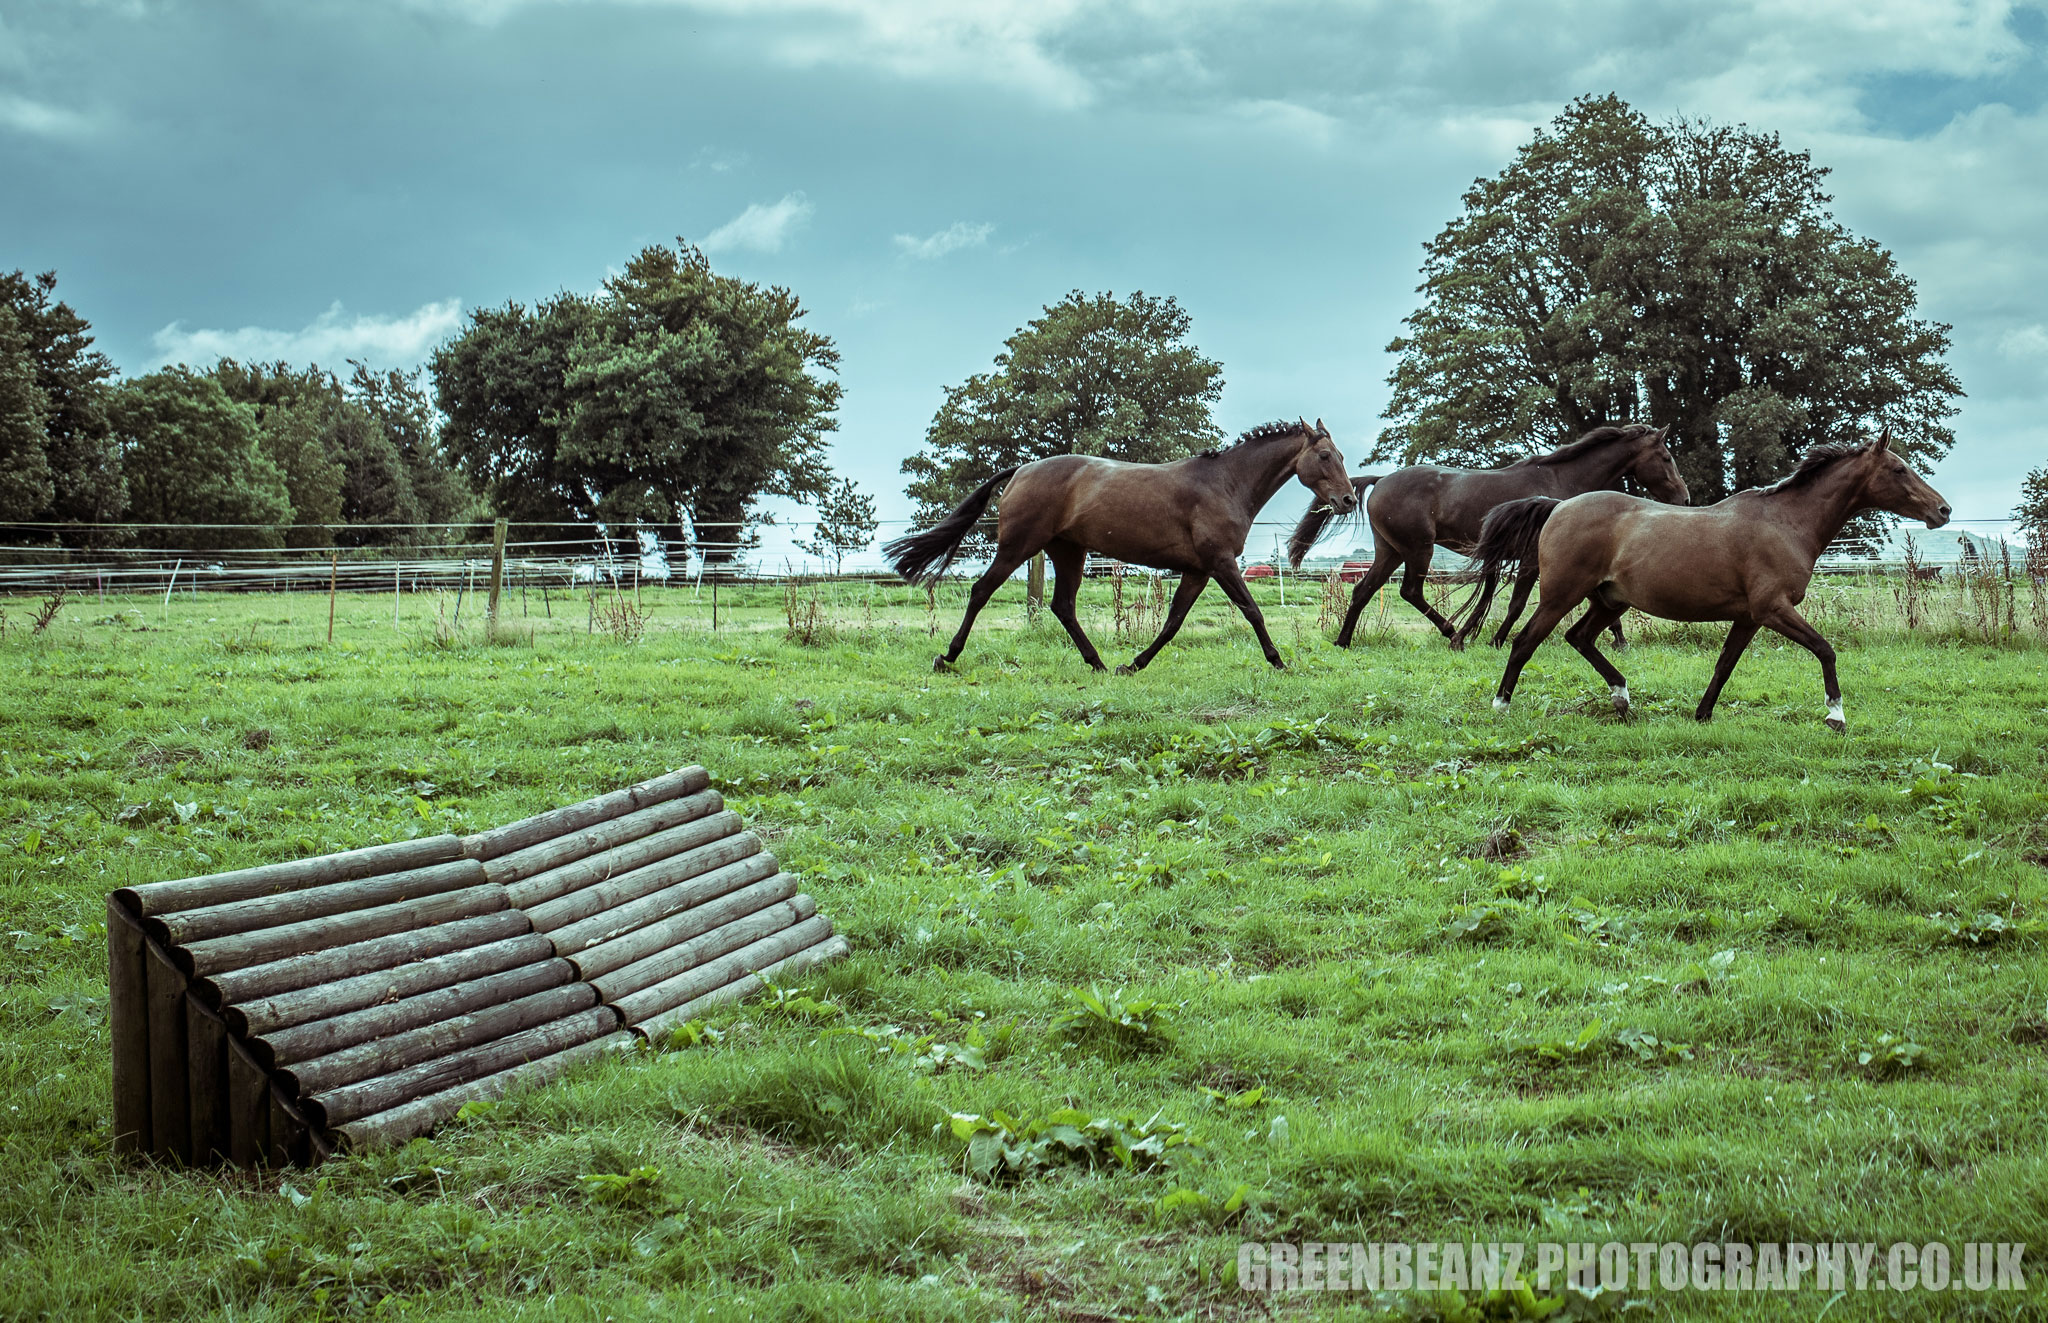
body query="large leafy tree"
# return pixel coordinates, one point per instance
(195, 457)
(1683, 273)
(26, 485)
(79, 456)
(1092, 376)
(401, 407)
(674, 394)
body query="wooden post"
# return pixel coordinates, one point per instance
(714, 606)
(333, 574)
(394, 596)
(497, 572)
(1034, 587)
(128, 1004)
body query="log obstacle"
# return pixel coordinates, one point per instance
(278, 1014)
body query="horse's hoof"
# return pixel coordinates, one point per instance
(941, 665)
(1126, 669)
(1834, 719)
(1500, 705)
(1703, 716)
(1620, 693)
(1457, 643)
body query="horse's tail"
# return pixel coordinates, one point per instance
(924, 557)
(1315, 523)
(1507, 537)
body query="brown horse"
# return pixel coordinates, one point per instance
(1191, 516)
(1747, 559)
(1415, 510)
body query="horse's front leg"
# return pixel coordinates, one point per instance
(1234, 587)
(1191, 586)
(1786, 620)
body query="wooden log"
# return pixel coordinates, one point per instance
(654, 923)
(338, 1107)
(430, 1041)
(240, 950)
(604, 836)
(326, 1000)
(617, 890)
(530, 893)
(243, 916)
(170, 1112)
(649, 1002)
(244, 987)
(832, 948)
(685, 956)
(128, 1028)
(321, 1037)
(206, 1079)
(290, 1136)
(390, 1128)
(196, 892)
(248, 1108)
(488, 845)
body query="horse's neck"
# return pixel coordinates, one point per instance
(1593, 471)
(1816, 512)
(1258, 469)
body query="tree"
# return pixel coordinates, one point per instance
(26, 485)
(1092, 376)
(193, 457)
(400, 405)
(1684, 273)
(674, 394)
(2031, 514)
(846, 523)
(83, 462)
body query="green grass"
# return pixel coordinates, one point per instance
(1347, 887)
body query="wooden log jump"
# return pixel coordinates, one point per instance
(277, 1014)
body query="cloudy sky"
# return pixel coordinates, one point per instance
(326, 179)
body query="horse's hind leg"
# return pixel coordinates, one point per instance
(1548, 613)
(1787, 621)
(1006, 562)
(1068, 560)
(1191, 586)
(1585, 636)
(1385, 560)
(1412, 579)
(1516, 601)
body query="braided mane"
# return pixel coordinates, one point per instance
(1264, 432)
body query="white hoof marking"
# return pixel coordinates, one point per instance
(1834, 717)
(1620, 692)
(1499, 704)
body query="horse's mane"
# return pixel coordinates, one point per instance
(1817, 459)
(1263, 432)
(1593, 440)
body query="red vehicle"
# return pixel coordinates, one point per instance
(1259, 571)
(1353, 570)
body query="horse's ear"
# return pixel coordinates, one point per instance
(1884, 438)
(1664, 431)
(1321, 430)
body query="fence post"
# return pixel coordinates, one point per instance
(497, 572)
(333, 575)
(1034, 587)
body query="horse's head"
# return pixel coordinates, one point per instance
(1654, 468)
(1890, 484)
(1320, 466)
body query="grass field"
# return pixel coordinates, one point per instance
(1374, 965)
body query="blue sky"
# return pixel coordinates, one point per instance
(318, 181)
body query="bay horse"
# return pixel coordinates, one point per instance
(1190, 515)
(1746, 560)
(1415, 510)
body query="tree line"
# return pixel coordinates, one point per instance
(1616, 270)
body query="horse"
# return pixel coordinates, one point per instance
(1422, 507)
(1746, 560)
(1189, 516)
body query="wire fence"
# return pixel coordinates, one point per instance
(550, 557)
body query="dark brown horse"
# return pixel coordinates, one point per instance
(1747, 559)
(1191, 516)
(1415, 510)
